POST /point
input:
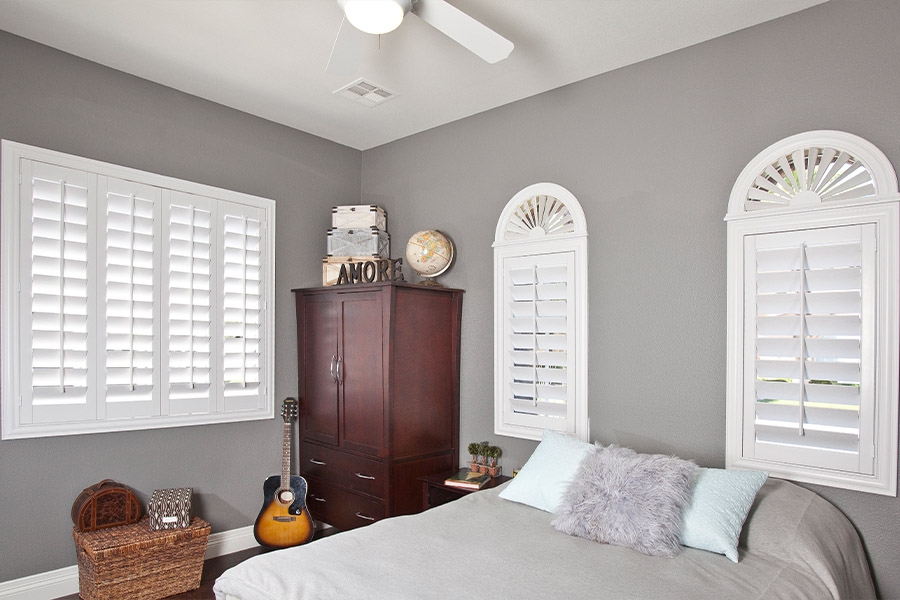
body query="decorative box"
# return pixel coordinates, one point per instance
(368, 241)
(358, 217)
(382, 269)
(134, 562)
(105, 504)
(170, 508)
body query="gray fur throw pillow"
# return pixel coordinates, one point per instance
(628, 499)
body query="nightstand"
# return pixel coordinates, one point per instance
(435, 493)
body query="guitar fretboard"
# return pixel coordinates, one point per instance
(286, 458)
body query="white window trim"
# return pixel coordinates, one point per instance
(882, 210)
(11, 155)
(574, 242)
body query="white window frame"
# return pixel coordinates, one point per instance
(14, 156)
(805, 211)
(537, 245)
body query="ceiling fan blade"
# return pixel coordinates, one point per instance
(463, 29)
(347, 50)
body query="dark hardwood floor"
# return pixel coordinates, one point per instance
(214, 567)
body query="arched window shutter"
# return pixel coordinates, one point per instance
(812, 313)
(540, 307)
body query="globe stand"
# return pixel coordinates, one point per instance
(431, 282)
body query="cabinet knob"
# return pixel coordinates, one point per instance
(366, 517)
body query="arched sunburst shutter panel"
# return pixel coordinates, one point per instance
(812, 313)
(540, 307)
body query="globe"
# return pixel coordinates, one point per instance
(429, 253)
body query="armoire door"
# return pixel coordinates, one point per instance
(360, 372)
(318, 349)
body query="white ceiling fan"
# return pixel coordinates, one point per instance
(381, 16)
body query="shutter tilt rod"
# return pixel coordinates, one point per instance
(62, 275)
(802, 408)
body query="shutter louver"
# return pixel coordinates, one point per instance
(242, 315)
(57, 331)
(188, 307)
(539, 304)
(129, 300)
(811, 290)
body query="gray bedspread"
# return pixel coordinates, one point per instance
(794, 545)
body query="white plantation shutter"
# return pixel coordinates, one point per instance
(129, 270)
(813, 305)
(129, 300)
(539, 314)
(810, 344)
(188, 326)
(243, 306)
(56, 278)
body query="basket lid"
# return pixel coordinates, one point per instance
(127, 538)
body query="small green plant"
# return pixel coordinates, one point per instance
(473, 448)
(494, 452)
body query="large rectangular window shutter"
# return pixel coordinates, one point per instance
(243, 309)
(56, 272)
(129, 273)
(539, 305)
(188, 328)
(810, 343)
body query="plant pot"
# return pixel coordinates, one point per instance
(492, 471)
(476, 467)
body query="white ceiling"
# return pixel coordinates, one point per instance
(268, 57)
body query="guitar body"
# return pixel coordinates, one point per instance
(281, 525)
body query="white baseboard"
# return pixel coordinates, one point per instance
(64, 581)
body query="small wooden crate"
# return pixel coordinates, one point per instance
(133, 562)
(359, 242)
(358, 216)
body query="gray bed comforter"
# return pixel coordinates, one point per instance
(794, 545)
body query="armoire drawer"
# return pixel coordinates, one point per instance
(341, 508)
(347, 470)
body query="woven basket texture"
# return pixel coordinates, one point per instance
(134, 562)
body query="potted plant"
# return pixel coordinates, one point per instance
(493, 453)
(474, 449)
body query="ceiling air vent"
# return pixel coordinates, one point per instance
(366, 92)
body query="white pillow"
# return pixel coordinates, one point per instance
(544, 478)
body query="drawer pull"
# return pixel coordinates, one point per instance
(316, 462)
(317, 499)
(361, 476)
(366, 517)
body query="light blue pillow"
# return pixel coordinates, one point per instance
(720, 503)
(544, 478)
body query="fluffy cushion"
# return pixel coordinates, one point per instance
(715, 516)
(628, 499)
(543, 480)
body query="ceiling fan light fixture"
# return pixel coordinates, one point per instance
(375, 16)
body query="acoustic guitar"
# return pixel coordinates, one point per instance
(284, 520)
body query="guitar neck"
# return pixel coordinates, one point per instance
(286, 458)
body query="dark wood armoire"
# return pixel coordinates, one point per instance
(379, 396)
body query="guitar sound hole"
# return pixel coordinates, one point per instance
(285, 496)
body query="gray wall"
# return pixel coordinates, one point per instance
(651, 151)
(57, 101)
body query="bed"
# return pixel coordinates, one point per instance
(794, 544)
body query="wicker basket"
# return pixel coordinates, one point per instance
(133, 562)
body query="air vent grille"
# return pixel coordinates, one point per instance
(366, 93)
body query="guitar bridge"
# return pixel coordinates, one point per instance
(284, 519)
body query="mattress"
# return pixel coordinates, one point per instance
(794, 545)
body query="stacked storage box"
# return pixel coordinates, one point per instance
(358, 234)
